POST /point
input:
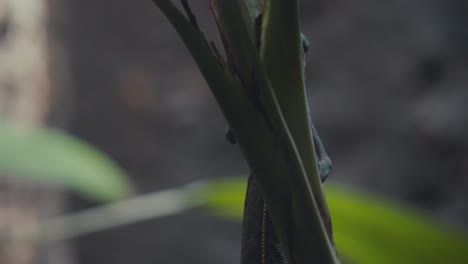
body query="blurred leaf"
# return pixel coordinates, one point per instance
(368, 229)
(390, 232)
(223, 198)
(50, 156)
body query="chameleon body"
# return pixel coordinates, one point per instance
(261, 92)
(260, 243)
(271, 70)
(324, 161)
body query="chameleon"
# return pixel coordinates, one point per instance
(324, 161)
(260, 243)
(264, 71)
(242, 41)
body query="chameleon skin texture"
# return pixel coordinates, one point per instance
(260, 243)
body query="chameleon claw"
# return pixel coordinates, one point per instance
(230, 136)
(325, 167)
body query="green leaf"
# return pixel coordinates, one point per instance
(52, 157)
(223, 198)
(280, 174)
(390, 231)
(282, 56)
(368, 229)
(260, 128)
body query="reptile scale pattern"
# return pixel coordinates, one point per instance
(259, 242)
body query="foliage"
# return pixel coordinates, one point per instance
(368, 229)
(247, 89)
(52, 157)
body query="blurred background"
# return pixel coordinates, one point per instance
(387, 87)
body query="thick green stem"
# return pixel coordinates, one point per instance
(282, 54)
(254, 114)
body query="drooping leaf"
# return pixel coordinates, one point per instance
(368, 229)
(50, 156)
(394, 233)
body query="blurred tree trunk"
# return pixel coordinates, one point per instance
(26, 97)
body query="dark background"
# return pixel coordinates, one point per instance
(387, 91)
